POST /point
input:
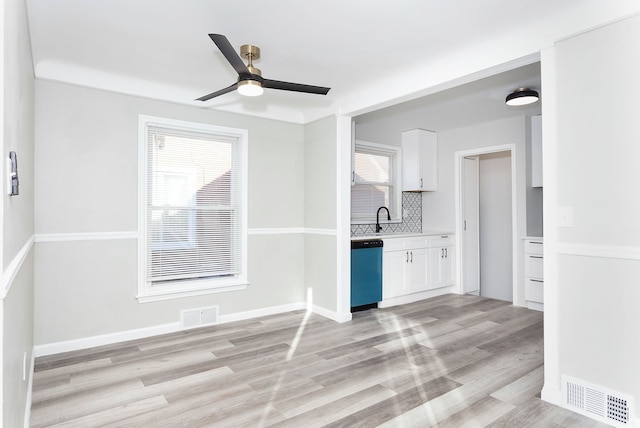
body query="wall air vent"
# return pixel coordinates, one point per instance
(199, 317)
(597, 402)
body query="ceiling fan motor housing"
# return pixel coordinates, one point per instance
(251, 53)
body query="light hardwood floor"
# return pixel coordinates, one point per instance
(451, 361)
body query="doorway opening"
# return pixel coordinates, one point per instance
(485, 214)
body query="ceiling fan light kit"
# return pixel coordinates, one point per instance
(250, 81)
(522, 97)
(250, 88)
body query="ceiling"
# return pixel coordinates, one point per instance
(160, 49)
(468, 104)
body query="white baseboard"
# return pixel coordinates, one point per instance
(262, 312)
(141, 333)
(104, 339)
(27, 406)
(552, 395)
(413, 297)
(535, 306)
(332, 315)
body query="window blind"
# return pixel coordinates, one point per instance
(193, 205)
(373, 182)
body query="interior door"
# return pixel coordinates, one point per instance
(470, 226)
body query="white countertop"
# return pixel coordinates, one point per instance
(384, 235)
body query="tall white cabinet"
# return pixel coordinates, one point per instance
(419, 161)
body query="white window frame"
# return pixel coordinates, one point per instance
(148, 292)
(395, 202)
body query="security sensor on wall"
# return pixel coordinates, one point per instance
(12, 168)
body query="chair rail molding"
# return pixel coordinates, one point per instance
(14, 267)
(603, 251)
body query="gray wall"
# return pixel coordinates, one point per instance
(320, 196)
(16, 307)
(598, 308)
(534, 195)
(496, 257)
(86, 181)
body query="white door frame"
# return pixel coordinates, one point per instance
(464, 232)
(459, 156)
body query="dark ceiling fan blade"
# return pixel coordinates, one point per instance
(230, 54)
(218, 93)
(297, 87)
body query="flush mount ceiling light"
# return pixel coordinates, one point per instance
(522, 97)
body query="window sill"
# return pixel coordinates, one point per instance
(178, 294)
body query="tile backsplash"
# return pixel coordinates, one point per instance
(411, 219)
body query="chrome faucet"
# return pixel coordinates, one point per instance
(378, 227)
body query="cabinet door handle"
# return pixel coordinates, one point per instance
(411, 257)
(441, 253)
(421, 183)
(407, 261)
(353, 177)
(535, 257)
(446, 253)
(535, 280)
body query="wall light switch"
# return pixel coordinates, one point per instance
(565, 216)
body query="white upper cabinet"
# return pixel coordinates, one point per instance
(419, 161)
(536, 151)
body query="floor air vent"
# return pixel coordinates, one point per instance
(597, 402)
(199, 317)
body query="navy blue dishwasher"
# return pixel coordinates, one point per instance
(366, 273)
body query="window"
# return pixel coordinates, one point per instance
(192, 227)
(375, 181)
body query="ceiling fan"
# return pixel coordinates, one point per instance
(250, 81)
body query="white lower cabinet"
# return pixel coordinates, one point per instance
(441, 261)
(411, 265)
(394, 272)
(534, 273)
(404, 267)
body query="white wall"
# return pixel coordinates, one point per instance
(594, 140)
(17, 344)
(86, 152)
(439, 207)
(496, 257)
(17, 214)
